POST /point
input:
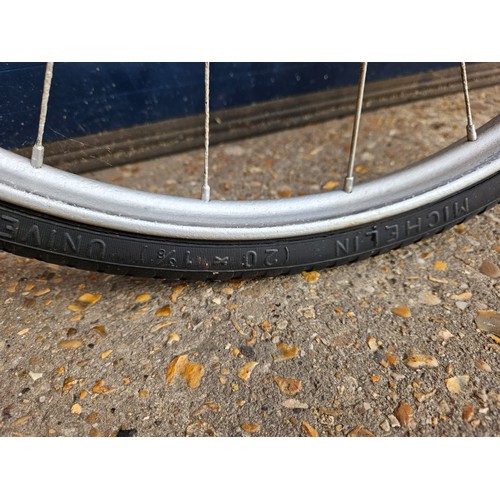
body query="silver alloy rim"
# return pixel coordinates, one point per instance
(68, 196)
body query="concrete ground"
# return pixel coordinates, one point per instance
(404, 344)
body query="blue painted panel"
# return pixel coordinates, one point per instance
(93, 97)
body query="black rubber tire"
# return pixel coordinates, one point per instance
(64, 242)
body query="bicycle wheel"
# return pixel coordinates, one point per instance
(52, 215)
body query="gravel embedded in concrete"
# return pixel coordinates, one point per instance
(405, 343)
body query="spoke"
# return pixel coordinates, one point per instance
(349, 180)
(471, 129)
(205, 189)
(38, 149)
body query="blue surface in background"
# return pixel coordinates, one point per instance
(88, 98)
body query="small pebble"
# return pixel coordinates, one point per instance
(488, 321)
(423, 396)
(309, 313)
(421, 361)
(362, 169)
(404, 414)
(385, 426)
(311, 276)
(444, 335)
(192, 373)
(402, 311)
(68, 383)
(76, 408)
(372, 343)
(247, 351)
(164, 311)
(456, 384)
(282, 324)
(391, 358)
(176, 291)
(126, 433)
(89, 298)
(438, 280)
(159, 326)
(393, 421)
(288, 386)
(69, 344)
(360, 431)
(105, 354)
(143, 297)
(467, 413)
(285, 193)
(444, 407)
(172, 337)
(440, 265)
(77, 307)
(489, 269)
(21, 420)
(482, 365)
(429, 299)
(287, 352)
(330, 185)
(461, 296)
(246, 370)
(212, 406)
(294, 403)
(250, 427)
(100, 388)
(308, 430)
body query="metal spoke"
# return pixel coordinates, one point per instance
(205, 189)
(471, 129)
(38, 149)
(349, 180)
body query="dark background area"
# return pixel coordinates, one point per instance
(88, 98)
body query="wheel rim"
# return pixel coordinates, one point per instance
(61, 194)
